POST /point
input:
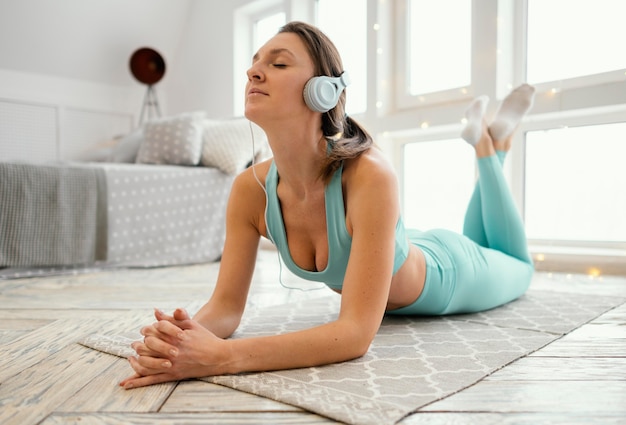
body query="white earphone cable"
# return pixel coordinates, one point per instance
(267, 228)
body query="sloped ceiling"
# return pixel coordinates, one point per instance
(90, 40)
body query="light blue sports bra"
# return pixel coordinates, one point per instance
(339, 240)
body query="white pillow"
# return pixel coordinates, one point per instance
(119, 149)
(127, 148)
(175, 140)
(228, 144)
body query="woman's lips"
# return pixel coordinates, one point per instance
(256, 92)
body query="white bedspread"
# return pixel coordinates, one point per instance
(120, 214)
(164, 215)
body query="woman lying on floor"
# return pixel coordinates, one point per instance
(319, 200)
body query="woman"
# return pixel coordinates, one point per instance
(325, 185)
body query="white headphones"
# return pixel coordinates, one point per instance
(321, 94)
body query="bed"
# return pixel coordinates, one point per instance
(156, 198)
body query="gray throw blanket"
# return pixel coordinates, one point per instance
(52, 214)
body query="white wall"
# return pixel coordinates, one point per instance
(203, 78)
(68, 60)
(70, 57)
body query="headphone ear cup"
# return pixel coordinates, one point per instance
(321, 94)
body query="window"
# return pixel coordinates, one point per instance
(575, 180)
(254, 24)
(345, 22)
(266, 28)
(439, 178)
(574, 38)
(428, 58)
(440, 35)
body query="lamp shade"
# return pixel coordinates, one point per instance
(147, 66)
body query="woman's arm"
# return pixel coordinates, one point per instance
(372, 213)
(372, 210)
(222, 313)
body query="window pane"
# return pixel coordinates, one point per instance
(571, 38)
(438, 181)
(266, 28)
(440, 44)
(345, 22)
(575, 183)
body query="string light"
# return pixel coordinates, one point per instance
(594, 272)
(425, 125)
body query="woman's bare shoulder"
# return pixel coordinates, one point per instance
(370, 168)
(247, 197)
(252, 178)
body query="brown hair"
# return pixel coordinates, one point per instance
(345, 137)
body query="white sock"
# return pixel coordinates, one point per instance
(474, 114)
(511, 111)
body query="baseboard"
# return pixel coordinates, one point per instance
(590, 261)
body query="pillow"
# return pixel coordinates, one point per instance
(175, 140)
(228, 144)
(100, 152)
(118, 149)
(127, 147)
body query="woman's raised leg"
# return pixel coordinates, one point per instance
(510, 113)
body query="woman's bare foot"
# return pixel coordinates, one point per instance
(503, 145)
(485, 145)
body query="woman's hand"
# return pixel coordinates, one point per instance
(174, 348)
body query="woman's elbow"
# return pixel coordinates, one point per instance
(360, 343)
(361, 350)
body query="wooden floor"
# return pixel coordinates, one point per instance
(47, 378)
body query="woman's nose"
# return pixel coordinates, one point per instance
(254, 73)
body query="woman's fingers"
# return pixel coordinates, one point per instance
(163, 330)
(178, 318)
(153, 364)
(137, 380)
(154, 347)
(161, 315)
(144, 381)
(130, 378)
(146, 365)
(181, 314)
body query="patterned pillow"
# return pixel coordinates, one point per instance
(175, 140)
(228, 144)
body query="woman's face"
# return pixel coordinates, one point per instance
(276, 79)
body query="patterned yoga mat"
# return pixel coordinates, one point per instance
(412, 362)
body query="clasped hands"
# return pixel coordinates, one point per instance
(173, 348)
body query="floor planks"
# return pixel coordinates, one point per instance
(47, 378)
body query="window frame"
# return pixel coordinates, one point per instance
(244, 22)
(499, 38)
(578, 101)
(403, 98)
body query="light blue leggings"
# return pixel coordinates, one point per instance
(489, 265)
